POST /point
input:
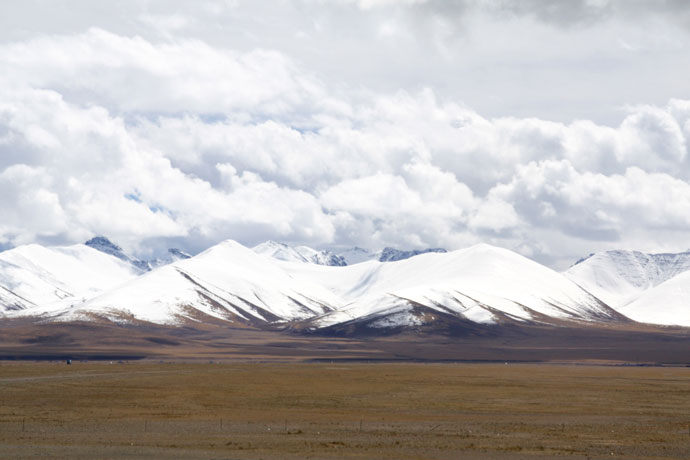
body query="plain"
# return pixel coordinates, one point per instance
(342, 410)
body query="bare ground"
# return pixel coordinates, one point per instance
(570, 342)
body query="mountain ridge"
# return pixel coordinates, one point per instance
(620, 276)
(481, 285)
(282, 251)
(104, 245)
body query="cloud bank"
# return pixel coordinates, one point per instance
(172, 140)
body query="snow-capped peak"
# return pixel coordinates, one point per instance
(619, 277)
(392, 255)
(173, 255)
(34, 275)
(280, 251)
(104, 245)
(304, 254)
(481, 284)
(357, 255)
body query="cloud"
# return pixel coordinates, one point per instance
(595, 206)
(29, 203)
(553, 60)
(131, 74)
(71, 172)
(573, 12)
(152, 142)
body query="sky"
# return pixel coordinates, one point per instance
(551, 128)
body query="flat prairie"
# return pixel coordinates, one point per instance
(342, 409)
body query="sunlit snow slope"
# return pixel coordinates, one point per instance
(668, 303)
(650, 288)
(481, 284)
(226, 282)
(34, 275)
(619, 277)
(278, 284)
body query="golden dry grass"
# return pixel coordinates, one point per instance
(283, 411)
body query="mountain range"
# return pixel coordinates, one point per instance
(103, 244)
(649, 288)
(313, 291)
(350, 256)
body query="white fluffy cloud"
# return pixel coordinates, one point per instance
(130, 74)
(175, 140)
(69, 172)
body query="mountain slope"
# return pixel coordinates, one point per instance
(302, 254)
(667, 304)
(35, 275)
(104, 245)
(481, 284)
(226, 282)
(619, 277)
(173, 255)
(468, 288)
(9, 301)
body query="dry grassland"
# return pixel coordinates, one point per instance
(325, 411)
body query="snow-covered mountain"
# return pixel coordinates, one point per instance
(34, 275)
(173, 255)
(302, 254)
(620, 277)
(649, 288)
(392, 255)
(227, 282)
(104, 245)
(306, 289)
(349, 256)
(667, 303)
(9, 301)
(481, 284)
(358, 255)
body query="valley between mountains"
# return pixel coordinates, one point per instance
(280, 302)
